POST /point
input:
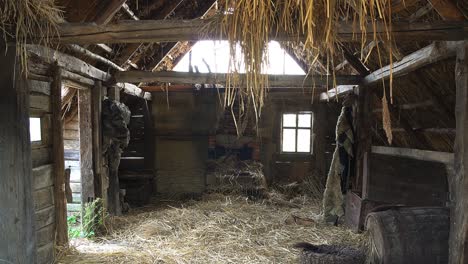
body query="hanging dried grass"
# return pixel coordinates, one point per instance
(386, 120)
(25, 20)
(249, 25)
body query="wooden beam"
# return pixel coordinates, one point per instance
(192, 30)
(447, 9)
(17, 220)
(96, 100)
(418, 59)
(61, 227)
(86, 53)
(129, 12)
(355, 62)
(86, 147)
(108, 13)
(68, 62)
(426, 155)
(430, 54)
(202, 78)
(78, 67)
(129, 50)
(400, 5)
(458, 183)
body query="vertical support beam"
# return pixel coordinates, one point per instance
(149, 136)
(17, 221)
(458, 183)
(97, 143)
(61, 229)
(114, 93)
(86, 146)
(364, 138)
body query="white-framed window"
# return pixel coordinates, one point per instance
(296, 132)
(35, 129)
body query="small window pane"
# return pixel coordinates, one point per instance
(303, 140)
(289, 120)
(304, 120)
(35, 128)
(289, 140)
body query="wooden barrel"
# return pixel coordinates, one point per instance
(409, 235)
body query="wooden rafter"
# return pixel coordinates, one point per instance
(447, 9)
(130, 49)
(427, 55)
(173, 48)
(192, 30)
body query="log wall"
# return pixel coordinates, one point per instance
(43, 172)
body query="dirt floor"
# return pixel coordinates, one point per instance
(215, 229)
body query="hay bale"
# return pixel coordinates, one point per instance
(330, 254)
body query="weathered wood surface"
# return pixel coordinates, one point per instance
(17, 227)
(417, 235)
(45, 235)
(459, 181)
(447, 9)
(86, 146)
(435, 156)
(45, 254)
(40, 103)
(40, 87)
(59, 160)
(72, 154)
(96, 102)
(192, 30)
(43, 198)
(84, 52)
(76, 70)
(42, 176)
(274, 80)
(45, 217)
(408, 181)
(416, 60)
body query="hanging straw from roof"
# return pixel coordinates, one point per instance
(249, 24)
(24, 20)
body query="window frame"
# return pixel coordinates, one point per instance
(297, 128)
(41, 128)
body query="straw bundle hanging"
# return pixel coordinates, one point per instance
(25, 20)
(249, 25)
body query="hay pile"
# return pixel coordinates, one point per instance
(217, 229)
(229, 175)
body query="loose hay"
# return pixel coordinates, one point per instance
(217, 229)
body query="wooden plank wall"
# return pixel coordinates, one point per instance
(43, 185)
(71, 138)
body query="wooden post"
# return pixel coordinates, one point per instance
(96, 101)
(17, 221)
(86, 146)
(61, 229)
(458, 183)
(114, 93)
(364, 137)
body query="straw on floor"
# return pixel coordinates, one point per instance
(216, 229)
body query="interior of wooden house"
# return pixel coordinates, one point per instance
(218, 131)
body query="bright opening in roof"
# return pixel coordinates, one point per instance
(208, 55)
